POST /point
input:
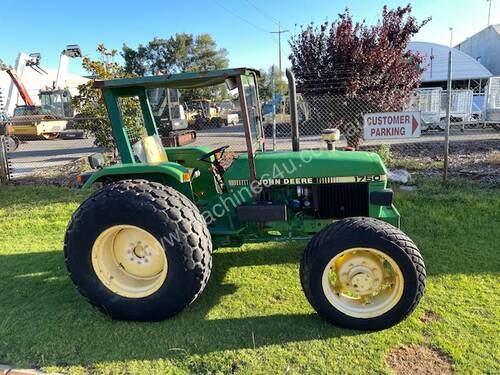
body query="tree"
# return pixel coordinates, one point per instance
(90, 105)
(266, 84)
(182, 53)
(365, 68)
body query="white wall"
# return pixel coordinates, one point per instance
(485, 46)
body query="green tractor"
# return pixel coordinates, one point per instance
(140, 247)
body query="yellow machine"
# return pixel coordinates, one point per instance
(202, 114)
(30, 122)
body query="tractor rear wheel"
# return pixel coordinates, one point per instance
(362, 273)
(138, 250)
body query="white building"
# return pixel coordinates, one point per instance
(485, 48)
(34, 82)
(467, 73)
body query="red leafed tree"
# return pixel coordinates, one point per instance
(362, 68)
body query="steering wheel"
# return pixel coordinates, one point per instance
(217, 153)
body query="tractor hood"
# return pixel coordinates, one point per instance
(309, 166)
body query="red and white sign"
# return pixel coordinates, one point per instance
(391, 125)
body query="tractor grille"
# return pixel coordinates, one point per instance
(337, 201)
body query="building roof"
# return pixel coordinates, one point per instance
(435, 63)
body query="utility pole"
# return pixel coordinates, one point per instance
(489, 11)
(451, 37)
(274, 108)
(279, 32)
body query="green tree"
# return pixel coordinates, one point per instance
(90, 105)
(180, 53)
(266, 84)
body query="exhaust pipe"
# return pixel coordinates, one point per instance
(294, 119)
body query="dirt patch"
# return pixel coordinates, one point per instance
(429, 316)
(64, 175)
(418, 359)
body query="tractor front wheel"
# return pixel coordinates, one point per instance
(138, 250)
(362, 273)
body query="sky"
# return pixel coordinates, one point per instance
(241, 26)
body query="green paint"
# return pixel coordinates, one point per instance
(189, 80)
(165, 173)
(308, 163)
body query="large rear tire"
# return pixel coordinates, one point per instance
(362, 273)
(138, 250)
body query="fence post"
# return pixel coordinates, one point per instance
(4, 163)
(447, 131)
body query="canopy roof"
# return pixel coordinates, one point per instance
(435, 63)
(189, 80)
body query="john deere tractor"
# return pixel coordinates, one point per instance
(140, 247)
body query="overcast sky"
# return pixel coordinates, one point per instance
(241, 26)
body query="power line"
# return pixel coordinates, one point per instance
(241, 18)
(273, 19)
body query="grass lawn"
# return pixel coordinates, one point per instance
(253, 316)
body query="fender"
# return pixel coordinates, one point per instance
(168, 173)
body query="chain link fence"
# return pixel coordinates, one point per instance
(36, 148)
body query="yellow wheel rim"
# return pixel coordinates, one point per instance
(363, 282)
(129, 261)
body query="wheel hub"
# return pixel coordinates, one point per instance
(361, 273)
(136, 254)
(129, 261)
(362, 282)
(139, 251)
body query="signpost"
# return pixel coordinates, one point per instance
(391, 125)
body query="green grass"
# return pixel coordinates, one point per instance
(253, 316)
